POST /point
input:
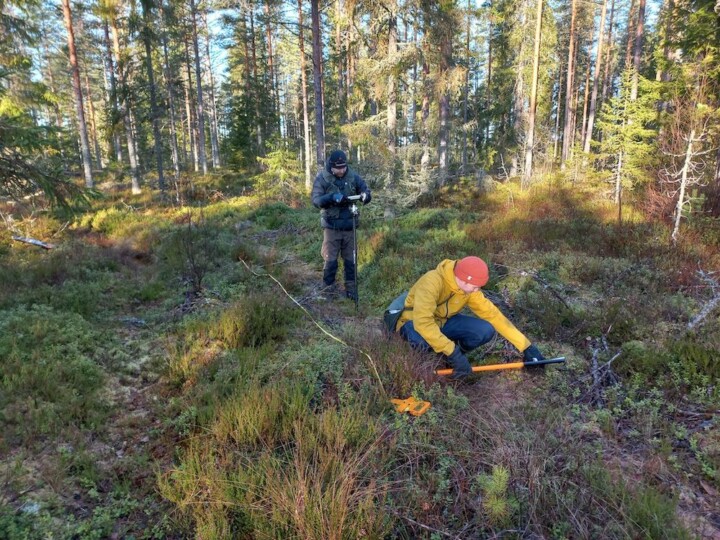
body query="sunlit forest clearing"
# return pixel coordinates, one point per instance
(158, 382)
(170, 364)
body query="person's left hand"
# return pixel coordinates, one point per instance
(364, 197)
(532, 354)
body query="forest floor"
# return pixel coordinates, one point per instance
(157, 388)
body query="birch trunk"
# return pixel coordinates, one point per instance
(683, 186)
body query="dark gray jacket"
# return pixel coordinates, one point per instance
(332, 215)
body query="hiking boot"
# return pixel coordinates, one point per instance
(351, 295)
(327, 292)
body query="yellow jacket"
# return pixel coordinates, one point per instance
(436, 297)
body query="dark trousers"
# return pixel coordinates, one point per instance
(466, 331)
(338, 243)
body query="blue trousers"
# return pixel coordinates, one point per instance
(466, 331)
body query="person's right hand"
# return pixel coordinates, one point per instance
(532, 354)
(459, 363)
(339, 198)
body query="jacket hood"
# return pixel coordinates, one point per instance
(447, 270)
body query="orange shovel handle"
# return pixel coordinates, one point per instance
(493, 367)
(512, 365)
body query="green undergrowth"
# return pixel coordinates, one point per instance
(271, 415)
(51, 375)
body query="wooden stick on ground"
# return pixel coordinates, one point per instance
(34, 242)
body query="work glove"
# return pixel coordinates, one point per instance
(459, 363)
(365, 197)
(532, 354)
(339, 198)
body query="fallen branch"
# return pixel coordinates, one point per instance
(547, 287)
(422, 526)
(602, 376)
(34, 242)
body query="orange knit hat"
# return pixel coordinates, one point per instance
(472, 270)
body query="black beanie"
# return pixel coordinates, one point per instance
(337, 157)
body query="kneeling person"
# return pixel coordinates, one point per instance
(431, 318)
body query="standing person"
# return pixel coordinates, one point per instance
(431, 317)
(332, 187)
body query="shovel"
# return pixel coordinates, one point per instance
(512, 365)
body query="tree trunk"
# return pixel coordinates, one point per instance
(341, 61)
(259, 117)
(198, 81)
(466, 92)
(585, 102)
(567, 131)
(618, 185)
(214, 135)
(413, 135)
(608, 55)
(444, 131)
(530, 139)
(77, 92)
(637, 52)
(154, 112)
(317, 82)
(392, 81)
(125, 107)
(249, 85)
(425, 134)
(350, 60)
(171, 102)
(114, 113)
(596, 79)
(715, 194)
(189, 109)
(93, 125)
(558, 113)
(519, 102)
(683, 186)
(488, 82)
(306, 117)
(271, 65)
